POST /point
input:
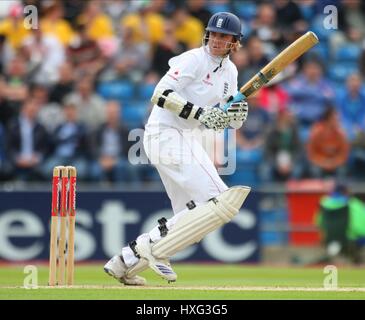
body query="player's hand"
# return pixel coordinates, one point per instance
(238, 111)
(214, 118)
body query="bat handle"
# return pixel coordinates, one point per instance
(237, 98)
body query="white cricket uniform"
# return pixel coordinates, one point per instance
(203, 80)
(192, 76)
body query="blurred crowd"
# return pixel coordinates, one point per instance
(73, 87)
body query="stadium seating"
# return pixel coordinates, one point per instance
(134, 113)
(348, 53)
(322, 50)
(273, 222)
(218, 7)
(245, 10)
(247, 170)
(339, 72)
(145, 91)
(121, 90)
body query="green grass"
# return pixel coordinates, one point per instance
(194, 282)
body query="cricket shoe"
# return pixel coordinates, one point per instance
(116, 268)
(161, 267)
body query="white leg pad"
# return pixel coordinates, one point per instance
(140, 266)
(200, 221)
(195, 224)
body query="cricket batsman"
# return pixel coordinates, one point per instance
(186, 98)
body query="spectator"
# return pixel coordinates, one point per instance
(14, 31)
(50, 114)
(110, 147)
(199, 10)
(341, 219)
(257, 56)
(353, 12)
(167, 48)
(90, 106)
(116, 10)
(46, 54)
(251, 138)
(242, 61)
(131, 61)
(53, 22)
(289, 18)
(283, 148)
(252, 135)
(273, 97)
(350, 105)
(146, 24)
(98, 25)
(188, 30)
(349, 37)
(73, 9)
(264, 26)
(85, 54)
(309, 93)
(27, 143)
(64, 84)
(327, 148)
(14, 88)
(69, 142)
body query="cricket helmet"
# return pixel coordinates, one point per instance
(227, 23)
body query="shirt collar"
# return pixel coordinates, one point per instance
(216, 60)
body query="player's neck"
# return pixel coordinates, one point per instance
(217, 58)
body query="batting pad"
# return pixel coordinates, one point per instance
(196, 224)
(140, 266)
(200, 221)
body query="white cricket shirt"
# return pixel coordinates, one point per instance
(192, 75)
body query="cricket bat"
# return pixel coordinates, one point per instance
(275, 66)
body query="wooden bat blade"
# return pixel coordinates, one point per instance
(275, 66)
(280, 62)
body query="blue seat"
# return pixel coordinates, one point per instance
(245, 10)
(145, 91)
(134, 114)
(308, 12)
(244, 176)
(348, 53)
(116, 90)
(321, 49)
(339, 72)
(247, 157)
(218, 7)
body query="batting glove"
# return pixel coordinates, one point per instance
(214, 118)
(238, 111)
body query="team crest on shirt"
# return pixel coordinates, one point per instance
(174, 75)
(207, 80)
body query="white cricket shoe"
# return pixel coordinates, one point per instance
(161, 267)
(116, 268)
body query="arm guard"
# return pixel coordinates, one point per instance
(170, 100)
